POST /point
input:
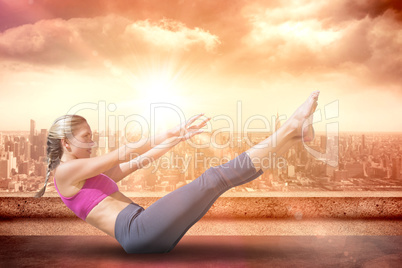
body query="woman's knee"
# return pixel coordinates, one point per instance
(212, 179)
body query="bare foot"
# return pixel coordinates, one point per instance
(302, 118)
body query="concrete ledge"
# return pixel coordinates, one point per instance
(214, 227)
(386, 205)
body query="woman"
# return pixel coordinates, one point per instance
(88, 185)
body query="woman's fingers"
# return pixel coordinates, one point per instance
(189, 131)
(202, 124)
(198, 126)
(206, 120)
(191, 120)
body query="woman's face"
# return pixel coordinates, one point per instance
(81, 143)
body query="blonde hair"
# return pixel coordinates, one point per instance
(63, 127)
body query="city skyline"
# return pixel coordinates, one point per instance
(203, 57)
(32, 129)
(345, 162)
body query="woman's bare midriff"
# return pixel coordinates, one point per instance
(103, 216)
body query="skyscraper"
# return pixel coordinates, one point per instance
(42, 140)
(323, 144)
(395, 168)
(32, 140)
(32, 131)
(4, 171)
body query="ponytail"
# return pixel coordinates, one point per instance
(62, 127)
(54, 153)
(42, 191)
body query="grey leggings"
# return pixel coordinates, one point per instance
(161, 226)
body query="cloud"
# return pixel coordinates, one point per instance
(363, 40)
(344, 10)
(170, 35)
(78, 41)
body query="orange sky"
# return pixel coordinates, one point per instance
(201, 56)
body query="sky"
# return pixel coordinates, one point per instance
(139, 64)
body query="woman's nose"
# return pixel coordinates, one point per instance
(93, 144)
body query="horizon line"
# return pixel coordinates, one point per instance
(318, 132)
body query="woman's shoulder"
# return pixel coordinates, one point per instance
(61, 176)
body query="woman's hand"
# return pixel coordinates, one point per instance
(185, 130)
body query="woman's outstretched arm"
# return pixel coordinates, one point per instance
(122, 170)
(146, 144)
(80, 169)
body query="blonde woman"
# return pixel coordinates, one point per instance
(88, 185)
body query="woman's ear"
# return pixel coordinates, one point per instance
(65, 144)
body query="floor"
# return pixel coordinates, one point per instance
(214, 227)
(205, 251)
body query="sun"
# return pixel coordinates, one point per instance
(159, 85)
(156, 86)
(162, 88)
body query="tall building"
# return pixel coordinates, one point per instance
(40, 168)
(16, 149)
(4, 171)
(42, 140)
(396, 168)
(32, 140)
(323, 144)
(7, 164)
(32, 131)
(12, 161)
(291, 171)
(27, 150)
(23, 168)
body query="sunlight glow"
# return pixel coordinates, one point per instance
(160, 83)
(156, 86)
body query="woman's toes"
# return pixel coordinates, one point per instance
(314, 107)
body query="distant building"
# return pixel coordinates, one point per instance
(291, 171)
(40, 169)
(396, 168)
(4, 171)
(4, 184)
(323, 144)
(42, 140)
(340, 175)
(23, 168)
(329, 170)
(16, 149)
(355, 170)
(11, 161)
(32, 131)
(376, 172)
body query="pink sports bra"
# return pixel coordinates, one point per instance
(93, 191)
